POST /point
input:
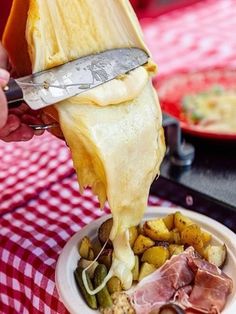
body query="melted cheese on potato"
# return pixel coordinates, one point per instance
(114, 131)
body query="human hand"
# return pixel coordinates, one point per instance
(17, 127)
(14, 123)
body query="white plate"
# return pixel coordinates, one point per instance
(69, 257)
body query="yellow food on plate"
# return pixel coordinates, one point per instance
(133, 234)
(135, 270)
(142, 243)
(114, 285)
(156, 255)
(156, 230)
(85, 249)
(181, 221)
(216, 254)
(212, 110)
(169, 221)
(175, 236)
(145, 270)
(192, 235)
(114, 131)
(175, 249)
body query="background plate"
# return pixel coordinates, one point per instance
(69, 256)
(172, 89)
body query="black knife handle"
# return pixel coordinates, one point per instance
(13, 94)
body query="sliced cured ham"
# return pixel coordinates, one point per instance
(187, 280)
(159, 287)
(211, 287)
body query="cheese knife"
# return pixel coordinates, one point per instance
(48, 87)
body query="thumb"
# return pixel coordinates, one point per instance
(4, 77)
(3, 57)
(3, 109)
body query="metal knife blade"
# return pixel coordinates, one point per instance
(48, 87)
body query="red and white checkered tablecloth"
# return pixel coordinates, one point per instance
(196, 37)
(33, 235)
(40, 206)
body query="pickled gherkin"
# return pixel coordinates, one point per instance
(103, 296)
(90, 299)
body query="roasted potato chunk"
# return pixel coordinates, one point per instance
(169, 221)
(206, 237)
(175, 236)
(85, 248)
(104, 232)
(91, 254)
(156, 255)
(175, 249)
(106, 258)
(114, 285)
(156, 230)
(135, 270)
(133, 234)
(97, 247)
(181, 221)
(140, 229)
(192, 235)
(142, 243)
(216, 254)
(145, 270)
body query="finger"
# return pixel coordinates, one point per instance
(34, 113)
(23, 133)
(28, 119)
(22, 109)
(3, 57)
(25, 109)
(12, 124)
(3, 109)
(4, 77)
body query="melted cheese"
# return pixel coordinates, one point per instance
(113, 131)
(62, 30)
